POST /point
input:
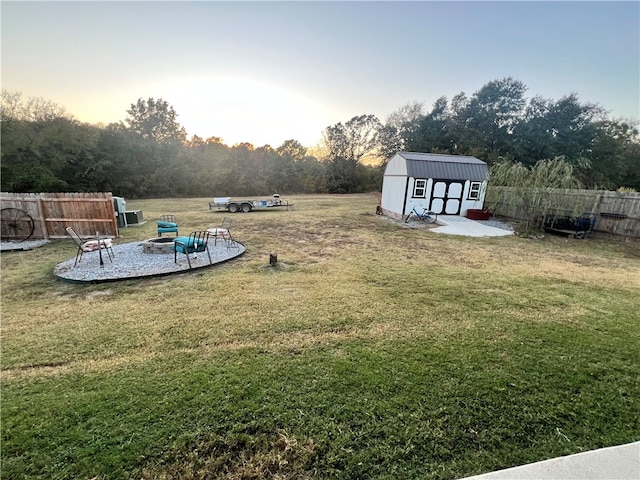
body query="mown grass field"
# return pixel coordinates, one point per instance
(373, 350)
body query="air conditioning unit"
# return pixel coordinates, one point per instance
(134, 216)
(119, 205)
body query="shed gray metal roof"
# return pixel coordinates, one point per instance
(445, 167)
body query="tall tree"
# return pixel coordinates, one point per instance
(10, 105)
(46, 156)
(292, 149)
(565, 127)
(432, 133)
(400, 130)
(347, 144)
(614, 156)
(573, 127)
(456, 123)
(354, 140)
(312, 173)
(491, 116)
(33, 109)
(533, 136)
(155, 119)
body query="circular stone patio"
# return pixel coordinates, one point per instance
(130, 262)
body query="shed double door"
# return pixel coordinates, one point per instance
(446, 197)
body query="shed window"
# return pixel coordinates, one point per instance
(420, 188)
(474, 191)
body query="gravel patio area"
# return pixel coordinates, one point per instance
(130, 262)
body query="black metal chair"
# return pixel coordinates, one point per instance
(195, 243)
(90, 245)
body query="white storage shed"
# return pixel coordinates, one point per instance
(445, 184)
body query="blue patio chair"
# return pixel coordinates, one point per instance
(195, 243)
(167, 224)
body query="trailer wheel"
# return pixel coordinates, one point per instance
(232, 207)
(246, 207)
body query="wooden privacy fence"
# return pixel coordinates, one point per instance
(617, 213)
(52, 213)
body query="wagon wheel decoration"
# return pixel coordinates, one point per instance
(16, 224)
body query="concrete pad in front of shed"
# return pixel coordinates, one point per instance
(456, 225)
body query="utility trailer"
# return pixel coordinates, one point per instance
(245, 206)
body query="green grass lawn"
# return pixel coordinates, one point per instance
(372, 350)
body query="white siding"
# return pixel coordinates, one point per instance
(393, 193)
(396, 166)
(418, 203)
(393, 185)
(472, 204)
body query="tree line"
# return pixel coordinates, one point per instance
(44, 149)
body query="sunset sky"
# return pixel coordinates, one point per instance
(265, 72)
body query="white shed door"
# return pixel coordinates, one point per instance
(446, 197)
(437, 205)
(454, 197)
(439, 189)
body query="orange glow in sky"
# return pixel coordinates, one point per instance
(234, 108)
(266, 72)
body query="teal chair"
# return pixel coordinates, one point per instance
(167, 224)
(195, 243)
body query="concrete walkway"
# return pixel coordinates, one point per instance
(613, 463)
(456, 225)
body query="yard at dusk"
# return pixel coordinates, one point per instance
(371, 350)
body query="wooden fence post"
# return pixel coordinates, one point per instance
(45, 226)
(596, 203)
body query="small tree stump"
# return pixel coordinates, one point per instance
(273, 259)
